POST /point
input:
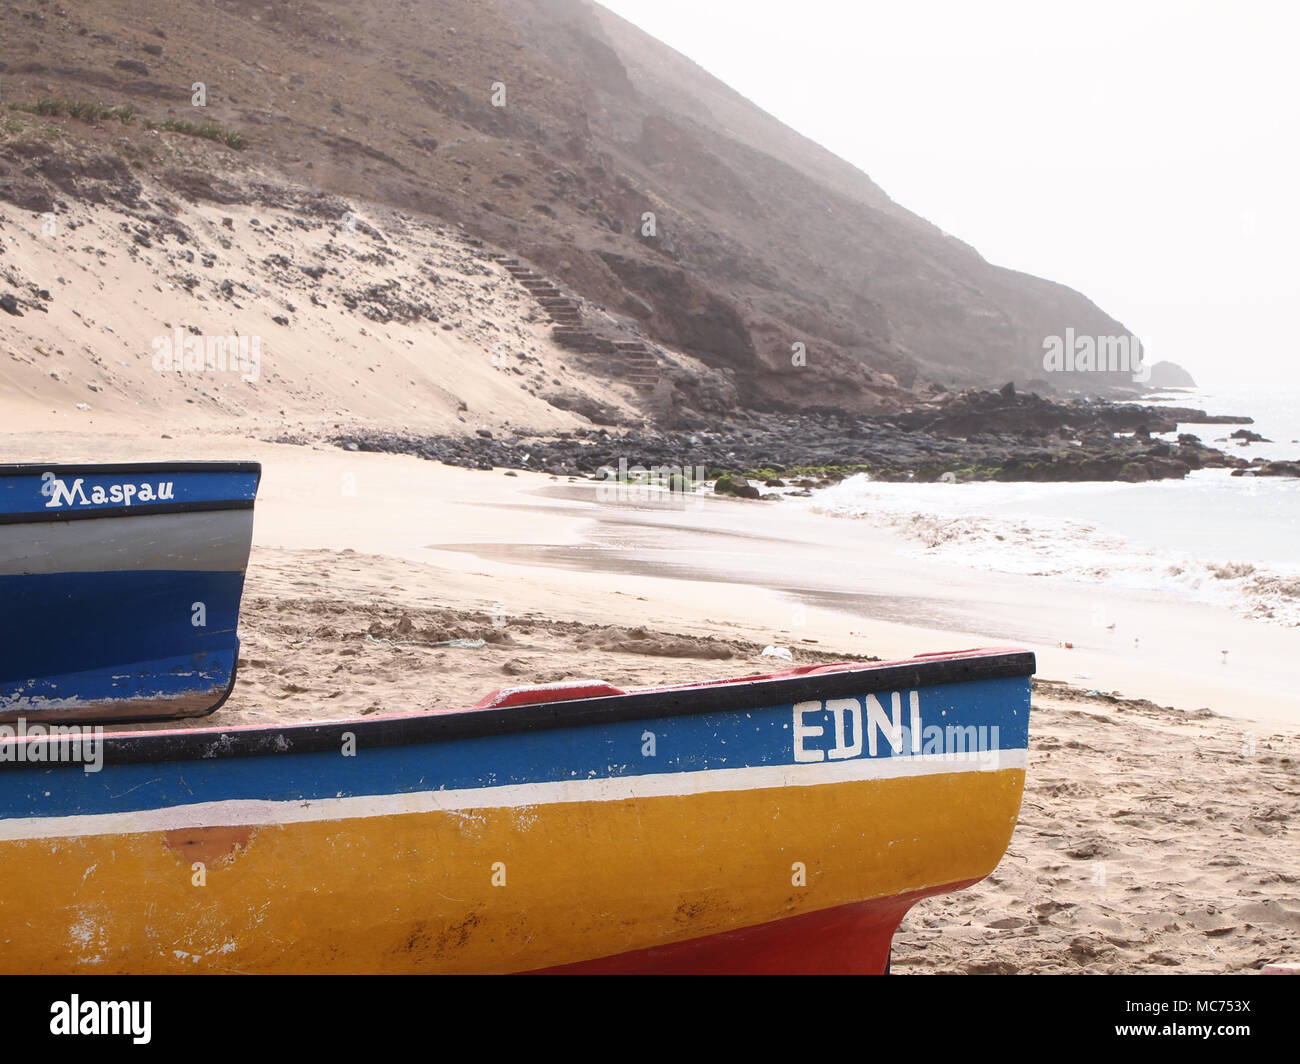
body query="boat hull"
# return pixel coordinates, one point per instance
(854, 939)
(117, 610)
(594, 834)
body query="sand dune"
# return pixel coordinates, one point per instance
(350, 315)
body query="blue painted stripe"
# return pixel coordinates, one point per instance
(62, 493)
(193, 676)
(86, 633)
(763, 736)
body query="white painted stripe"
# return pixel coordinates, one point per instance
(256, 812)
(209, 541)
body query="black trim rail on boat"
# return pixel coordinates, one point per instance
(24, 469)
(212, 743)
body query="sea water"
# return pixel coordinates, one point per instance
(1230, 541)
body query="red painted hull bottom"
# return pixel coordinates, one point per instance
(847, 940)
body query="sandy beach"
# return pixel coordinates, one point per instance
(1155, 833)
(473, 283)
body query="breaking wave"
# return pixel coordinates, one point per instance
(1021, 528)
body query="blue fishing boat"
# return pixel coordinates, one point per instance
(120, 587)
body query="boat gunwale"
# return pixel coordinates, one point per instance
(29, 468)
(744, 693)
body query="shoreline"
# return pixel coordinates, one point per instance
(894, 606)
(491, 537)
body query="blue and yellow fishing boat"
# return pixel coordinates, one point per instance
(778, 823)
(783, 823)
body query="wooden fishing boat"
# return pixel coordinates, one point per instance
(120, 587)
(782, 823)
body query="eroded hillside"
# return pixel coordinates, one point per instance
(551, 129)
(166, 295)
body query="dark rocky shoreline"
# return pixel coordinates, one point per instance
(974, 435)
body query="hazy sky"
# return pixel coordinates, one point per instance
(1143, 153)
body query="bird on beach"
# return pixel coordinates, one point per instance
(1225, 656)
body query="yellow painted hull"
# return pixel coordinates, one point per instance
(491, 889)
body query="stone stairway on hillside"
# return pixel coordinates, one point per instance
(632, 360)
(641, 363)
